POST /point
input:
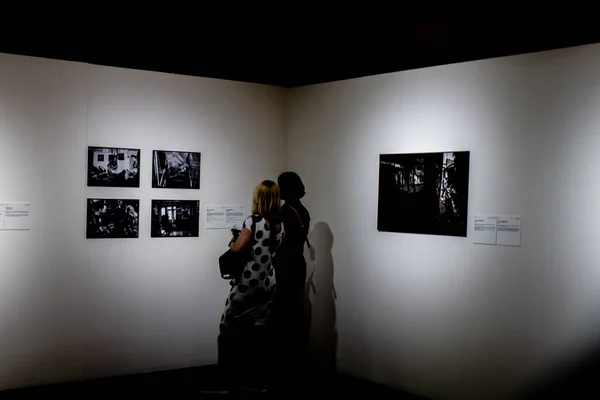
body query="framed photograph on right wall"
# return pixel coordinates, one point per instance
(424, 193)
(175, 169)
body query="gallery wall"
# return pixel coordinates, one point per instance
(441, 316)
(74, 308)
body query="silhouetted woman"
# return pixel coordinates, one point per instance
(290, 267)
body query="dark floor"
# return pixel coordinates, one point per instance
(580, 381)
(184, 384)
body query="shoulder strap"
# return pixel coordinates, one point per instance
(302, 225)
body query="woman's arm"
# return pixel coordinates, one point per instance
(242, 242)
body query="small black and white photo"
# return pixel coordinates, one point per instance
(175, 169)
(424, 193)
(175, 218)
(113, 167)
(112, 218)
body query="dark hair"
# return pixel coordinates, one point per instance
(291, 186)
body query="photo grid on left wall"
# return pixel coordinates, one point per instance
(118, 218)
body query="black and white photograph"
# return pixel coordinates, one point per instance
(112, 219)
(424, 193)
(175, 169)
(175, 218)
(113, 167)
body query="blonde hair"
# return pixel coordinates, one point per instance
(266, 200)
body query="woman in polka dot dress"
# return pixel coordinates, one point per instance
(243, 334)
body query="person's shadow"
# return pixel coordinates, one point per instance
(320, 299)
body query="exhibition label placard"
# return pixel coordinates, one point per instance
(235, 216)
(484, 229)
(215, 217)
(15, 216)
(509, 230)
(224, 217)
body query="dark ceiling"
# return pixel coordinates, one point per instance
(303, 52)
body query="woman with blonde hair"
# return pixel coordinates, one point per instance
(244, 344)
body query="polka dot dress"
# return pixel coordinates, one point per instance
(251, 297)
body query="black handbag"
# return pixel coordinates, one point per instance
(231, 264)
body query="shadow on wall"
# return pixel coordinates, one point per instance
(320, 300)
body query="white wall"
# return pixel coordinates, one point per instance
(440, 316)
(73, 308)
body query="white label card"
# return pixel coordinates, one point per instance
(215, 217)
(15, 216)
(235, 216)
(509, 230)
(484, 229)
